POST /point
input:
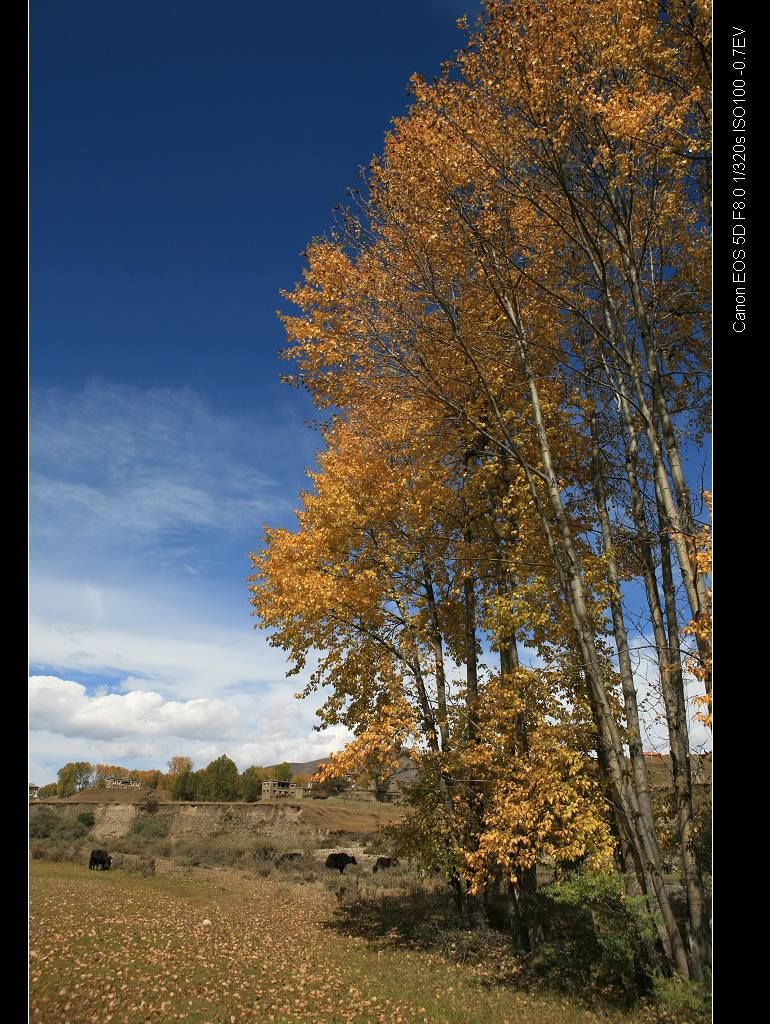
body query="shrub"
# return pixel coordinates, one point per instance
(596, 936)
(150, 828)
(150, 804)
(304, 868)
(682, 1002)
(87, 819)
(376, 844)
(222, 849)
(134, 864)
(42, 822)
(146, 838)
(58, 850)
(46, 823)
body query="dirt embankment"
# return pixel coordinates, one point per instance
(261, 819)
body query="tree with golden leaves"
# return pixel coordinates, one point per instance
(524, 282)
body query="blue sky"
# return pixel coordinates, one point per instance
(182, 155)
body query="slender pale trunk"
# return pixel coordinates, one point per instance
(633, 728)
(671, 680)
(676, 506)
(676, 717)
(564, 555)
(412, 661)
(631, 860)
(643, 837)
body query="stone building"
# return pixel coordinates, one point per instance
(273, 789)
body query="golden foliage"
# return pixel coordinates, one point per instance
(531, 245)
(701, 627)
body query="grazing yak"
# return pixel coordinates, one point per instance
(287, 857)
(385, 862)
(99, 859)
(339, 861)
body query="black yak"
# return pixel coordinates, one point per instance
(385, 862)
(287, 857)
(339, 861)
(99, 859)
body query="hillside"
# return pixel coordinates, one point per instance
(114, 817)
(301, 767)
(109, 796)
(405, 774)
(659, 768)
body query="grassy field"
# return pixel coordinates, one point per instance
(116, 948)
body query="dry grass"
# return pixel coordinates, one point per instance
(106, 796)
(111, 948)
(336, 814)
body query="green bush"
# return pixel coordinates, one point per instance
(150, 828)
(46, 823)
(138, 844)
(596, 937)
(42, 822)
(150, 804)
(682, 1002)
(87, 819)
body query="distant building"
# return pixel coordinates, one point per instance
(112, 783)
(273, 789)
(33, 791)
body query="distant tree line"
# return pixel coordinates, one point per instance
(219, 780)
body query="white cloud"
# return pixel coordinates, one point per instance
(63, 706)
(651, 707)
(142, 729)
(143, 507)
(120, 470)
(182, 659)
(176, 688)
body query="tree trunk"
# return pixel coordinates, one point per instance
(636, 750)
(676, 717)
(642, 836)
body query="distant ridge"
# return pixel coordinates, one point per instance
(302, 767)
(406, 772)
